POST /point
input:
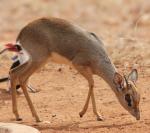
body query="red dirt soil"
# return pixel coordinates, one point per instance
(62, 95)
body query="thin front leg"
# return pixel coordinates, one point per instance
(87, 100)
(99, 118)
(33, 111)
(87, 73)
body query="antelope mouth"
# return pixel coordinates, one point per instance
(137, 115)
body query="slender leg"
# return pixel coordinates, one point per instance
(13, 82)
(33, 111)
(87, 101)
(99, 118)
(22, 73)
(87, 73)
(23, 78)
(14, 101)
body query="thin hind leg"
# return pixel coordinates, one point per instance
(24, 76)
(22, 73)
(33, 111)
(13, 82)
(14, 100)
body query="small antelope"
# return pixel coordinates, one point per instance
(63, 42)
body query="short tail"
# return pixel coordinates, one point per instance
(4, 79)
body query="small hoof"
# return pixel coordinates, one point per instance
(100, 118)
(19, 119)
(80, 115)
(38, 120)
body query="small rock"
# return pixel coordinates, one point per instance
(54, 115)
(59, 70)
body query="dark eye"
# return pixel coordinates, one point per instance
(128, 99)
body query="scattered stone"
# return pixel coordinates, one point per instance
(54, 115)
(59, 70)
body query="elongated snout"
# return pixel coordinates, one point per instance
(136, 114)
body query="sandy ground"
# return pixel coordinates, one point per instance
(62, 91)
(60, 98)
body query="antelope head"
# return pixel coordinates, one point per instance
(128, 94)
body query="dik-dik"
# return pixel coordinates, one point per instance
(53, 39)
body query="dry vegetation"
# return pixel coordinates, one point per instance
(124, 27)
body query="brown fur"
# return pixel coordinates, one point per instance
(43, 37)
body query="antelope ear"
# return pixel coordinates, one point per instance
(133, 76)
(118, 80)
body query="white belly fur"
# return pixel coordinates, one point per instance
(57, 58)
